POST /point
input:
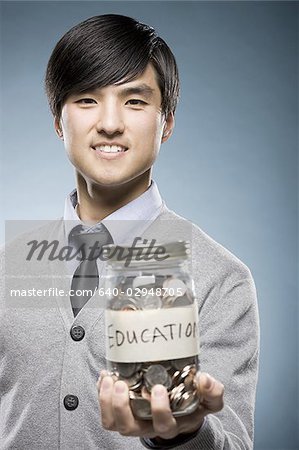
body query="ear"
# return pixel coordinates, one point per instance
(58, 129)
(168, 127)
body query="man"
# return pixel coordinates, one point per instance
(113, 86)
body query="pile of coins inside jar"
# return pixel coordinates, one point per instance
(178, 377)
(151, 291)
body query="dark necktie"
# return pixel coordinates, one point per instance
(85, 281)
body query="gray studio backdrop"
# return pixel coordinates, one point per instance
(231, 165)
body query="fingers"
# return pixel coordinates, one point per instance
(164, 423)
(116, 411)
(123, 417)
(210, 392)
(105, 387)
(117, 414)
(101, 376)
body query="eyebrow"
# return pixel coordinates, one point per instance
(143, 89)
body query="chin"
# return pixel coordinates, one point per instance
(107, 182)
(115, 179)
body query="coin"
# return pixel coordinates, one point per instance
(145, 393)
(157, 374)
(143, 280)
(168, 301)
(181, 375)
(114, 376)
(188, 409)
(185, 372)
(176, 396)
(175, 287)
(187, 399)
(150, 302)
(126, 370)
(124, 304)
(134, 382)
(140, 407)
(189, 381)
(112, 304)
(176, 377)
(181, 301)
(129, 304)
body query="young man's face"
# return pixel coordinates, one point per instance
(113, 135)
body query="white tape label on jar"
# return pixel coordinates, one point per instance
(152, 334)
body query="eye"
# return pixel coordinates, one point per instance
(136, 102)
(86, 101)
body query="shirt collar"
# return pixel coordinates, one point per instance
(128, 222)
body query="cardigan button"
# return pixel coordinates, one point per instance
(70, 402)
(77, 333)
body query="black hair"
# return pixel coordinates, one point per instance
(105, 50)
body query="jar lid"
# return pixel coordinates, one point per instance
(150, 251)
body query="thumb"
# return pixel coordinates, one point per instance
(210, 392)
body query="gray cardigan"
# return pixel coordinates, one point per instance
(40, 363)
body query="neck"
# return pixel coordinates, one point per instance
(95, 202)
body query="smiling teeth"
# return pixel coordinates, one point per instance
(110, 148)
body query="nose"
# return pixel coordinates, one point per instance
(110, 121)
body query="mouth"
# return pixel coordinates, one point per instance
(107, 151)
(106, 148)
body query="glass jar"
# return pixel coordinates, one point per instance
(151, 323)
